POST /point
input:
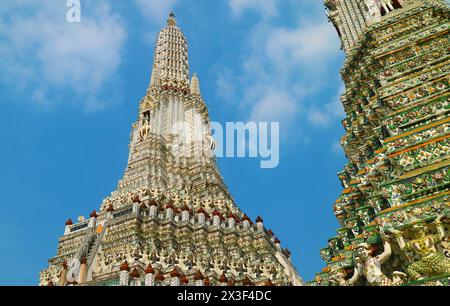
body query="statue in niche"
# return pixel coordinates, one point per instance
(144, 131)
(387, 5)
(431, 262)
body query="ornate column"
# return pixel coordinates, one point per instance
(246, 222)
(124, 274)
(231, 220)
(149, 276)
(247, 282)
(93, 219)
(277, 243)
(110, 210)
(67, 228)
(83, 270)
(216, 218)
(185, 214)
(175, 278)
(169, 211)
(184, 280)
(259, 224)
(135, 278)
(201, 216)
(63, 278)
(160, 278)
(136, 208)
(223, 280)
(198, 278)
(143, 208)
(153, 209)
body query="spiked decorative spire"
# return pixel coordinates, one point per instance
(171, 66)
(171, 21)
(195, 86)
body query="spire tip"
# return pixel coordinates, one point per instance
(171, 20)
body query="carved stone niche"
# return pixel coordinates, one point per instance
(387, 6)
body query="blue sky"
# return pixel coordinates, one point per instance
(69, 93)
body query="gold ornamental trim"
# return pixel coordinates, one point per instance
(417, 130)
(392, 209)
(418, 146)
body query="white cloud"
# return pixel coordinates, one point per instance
(226, 85)
(266, 8)
(155, 10)
(276, 106)
(42, 53)
(310, 45)
(284, 65)
(329, 113)
(281, 68)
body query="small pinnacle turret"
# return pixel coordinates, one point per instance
(171, 65)
(195, 86)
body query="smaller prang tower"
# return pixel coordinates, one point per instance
(171, 220)
(395, 205)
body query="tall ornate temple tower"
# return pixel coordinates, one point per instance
(394, 209)
(171, 220)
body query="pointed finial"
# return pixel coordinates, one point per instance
(171, 20)
(195, 85)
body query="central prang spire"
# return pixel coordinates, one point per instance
(171, 140)
(171, 64)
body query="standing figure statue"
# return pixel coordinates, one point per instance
(144, 131)
(370, 266)
(431, 262)
(387, 5)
